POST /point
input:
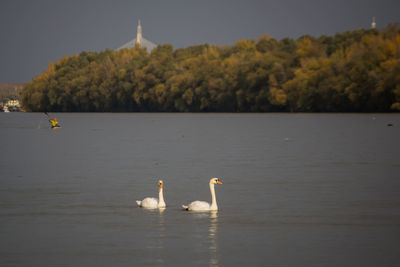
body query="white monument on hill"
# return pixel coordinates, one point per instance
(373, 24)
(139, 40)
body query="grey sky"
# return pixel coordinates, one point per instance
(35, 32)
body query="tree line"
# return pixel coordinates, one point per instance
(354, 71)
(9, 91)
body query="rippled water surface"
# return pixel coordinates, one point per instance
(298, 189)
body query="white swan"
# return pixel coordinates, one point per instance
(154, 203)
(202, 205)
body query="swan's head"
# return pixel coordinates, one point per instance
(215, 181)
(160, 184)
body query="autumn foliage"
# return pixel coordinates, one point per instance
(355, 71)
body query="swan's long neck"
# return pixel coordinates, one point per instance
(161, 202)
(214, 205)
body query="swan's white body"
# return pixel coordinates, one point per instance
(202, 205)
(154, 203)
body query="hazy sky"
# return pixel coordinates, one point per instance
(35, 32)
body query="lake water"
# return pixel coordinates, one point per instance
(298, 189)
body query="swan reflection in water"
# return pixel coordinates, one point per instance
(157, 238)
(212, 235)
(161, 236)
(212, 218)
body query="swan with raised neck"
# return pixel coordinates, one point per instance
(203, 205)
(154, 203)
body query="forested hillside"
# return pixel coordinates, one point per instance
(354, 71)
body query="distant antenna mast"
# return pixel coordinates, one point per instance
(373, 24)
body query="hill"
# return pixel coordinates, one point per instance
(354, 71)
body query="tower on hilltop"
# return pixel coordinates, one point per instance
(373, 24)
(139, 34)
(139, 40)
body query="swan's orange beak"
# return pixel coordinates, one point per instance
(159, 185)
(219, 182)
